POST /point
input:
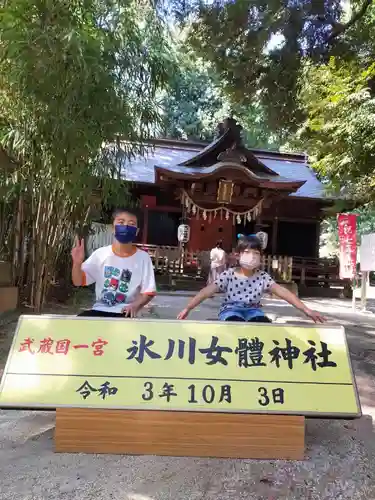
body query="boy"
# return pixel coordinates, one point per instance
(123, 275)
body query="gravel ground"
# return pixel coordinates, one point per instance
(339, 464)
(340, 456)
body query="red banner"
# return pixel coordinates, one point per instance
(347, 224)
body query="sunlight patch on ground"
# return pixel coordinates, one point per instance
(135, 496)
(366, 390)
(369, 410)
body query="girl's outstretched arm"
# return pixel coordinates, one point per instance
(290, 297)
(204, 294)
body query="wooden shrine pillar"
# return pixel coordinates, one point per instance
(145, 226)
(147, 203)
(275, 230)
(258, 223)
(317, 241)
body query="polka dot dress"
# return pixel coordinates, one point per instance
(241, 290)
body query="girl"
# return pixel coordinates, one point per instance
(244, 287)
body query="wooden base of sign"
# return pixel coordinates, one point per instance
(170, 433)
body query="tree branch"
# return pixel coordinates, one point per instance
(339, 28)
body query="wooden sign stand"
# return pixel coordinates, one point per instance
(171, 433)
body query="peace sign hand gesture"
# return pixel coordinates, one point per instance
(78, 252)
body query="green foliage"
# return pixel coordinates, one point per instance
(339, 131)
(256, 131)
(195, 103)
(258, 46)
(330, 239)
(74, 76)
(339, 135)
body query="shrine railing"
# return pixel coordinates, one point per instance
(172, 260)
(278, 266)
(316, 272)
(169, 260)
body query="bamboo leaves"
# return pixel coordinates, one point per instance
(74, 75)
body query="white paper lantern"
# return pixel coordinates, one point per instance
(263, 237)
(183, 233)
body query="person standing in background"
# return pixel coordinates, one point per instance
(217, 261)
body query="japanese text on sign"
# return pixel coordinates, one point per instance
(179, 365)
(249, 351)
(347, 228)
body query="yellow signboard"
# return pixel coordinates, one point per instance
(179, 365)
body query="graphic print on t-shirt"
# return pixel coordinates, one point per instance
(116, 285)
(113, 284)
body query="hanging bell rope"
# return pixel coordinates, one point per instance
(237, 217)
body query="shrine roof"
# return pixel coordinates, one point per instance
(170, 155)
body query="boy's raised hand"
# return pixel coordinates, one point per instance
(183, 314)
(78, 251)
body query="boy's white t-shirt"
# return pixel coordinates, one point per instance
(118, 280)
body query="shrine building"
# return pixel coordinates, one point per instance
(222, 189)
